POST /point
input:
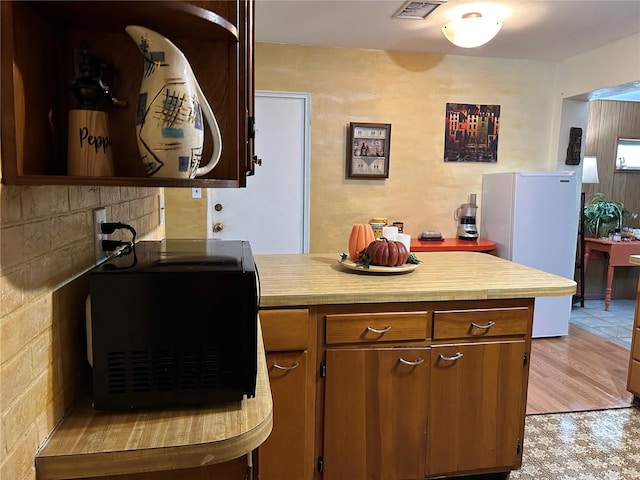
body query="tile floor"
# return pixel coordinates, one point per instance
(596, 445)
(616, 325)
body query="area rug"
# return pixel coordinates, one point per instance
(593, 445)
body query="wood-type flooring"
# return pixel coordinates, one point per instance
(579, 372)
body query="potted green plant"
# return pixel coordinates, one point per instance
(602, 215)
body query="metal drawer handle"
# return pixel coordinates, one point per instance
(483, 327)
(409, 362)
(290, 367)
(375, 330)
(457, 356)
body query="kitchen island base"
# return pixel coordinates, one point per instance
(420, 375)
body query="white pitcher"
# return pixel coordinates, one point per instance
(169, 126)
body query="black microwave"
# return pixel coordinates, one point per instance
(174, 323)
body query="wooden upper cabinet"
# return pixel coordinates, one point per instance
(38, 39)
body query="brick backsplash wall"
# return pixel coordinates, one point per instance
(46, 248)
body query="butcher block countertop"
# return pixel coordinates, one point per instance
(88, 443)
(320, 279)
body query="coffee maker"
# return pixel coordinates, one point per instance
(466, 216)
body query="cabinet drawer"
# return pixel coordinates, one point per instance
(490, 322)
(285, 329)
(636, 344)
(376, 327)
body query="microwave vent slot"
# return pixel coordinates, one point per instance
(141, 371)
(169, 371)
(210, 369)
(188, 376)
(116, 371)
(165, 370)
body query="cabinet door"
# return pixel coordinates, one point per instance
(475, 407)
(375, 413)
(285, 453)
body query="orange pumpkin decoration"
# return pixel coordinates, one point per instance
(361, 236)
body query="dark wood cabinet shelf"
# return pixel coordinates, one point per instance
(44, 180)
(180, 18)
(37, 42)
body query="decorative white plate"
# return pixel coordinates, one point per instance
(407, 267)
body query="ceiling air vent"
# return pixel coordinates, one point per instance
(418, 10)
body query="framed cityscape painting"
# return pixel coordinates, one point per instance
(471, 133)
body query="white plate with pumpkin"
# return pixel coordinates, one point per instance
(369, 255)
(407, 267)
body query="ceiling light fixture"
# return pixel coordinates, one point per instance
(471, 30)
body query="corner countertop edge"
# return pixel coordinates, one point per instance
(227, 432)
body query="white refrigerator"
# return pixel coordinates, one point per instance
(533, 218)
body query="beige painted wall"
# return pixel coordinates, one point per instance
(185, 216)
(410, 91)
(616, 63)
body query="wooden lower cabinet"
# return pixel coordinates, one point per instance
(475, 407)
(282, 455)
(288, 452)
(424, 390)
(478, 388)
(375, 413)
(396, 391)
(633, 381)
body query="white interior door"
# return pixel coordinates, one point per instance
(272, 212)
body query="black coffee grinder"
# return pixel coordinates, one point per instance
(466, 215)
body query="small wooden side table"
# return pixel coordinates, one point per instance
(452, 245)
(618, 254)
